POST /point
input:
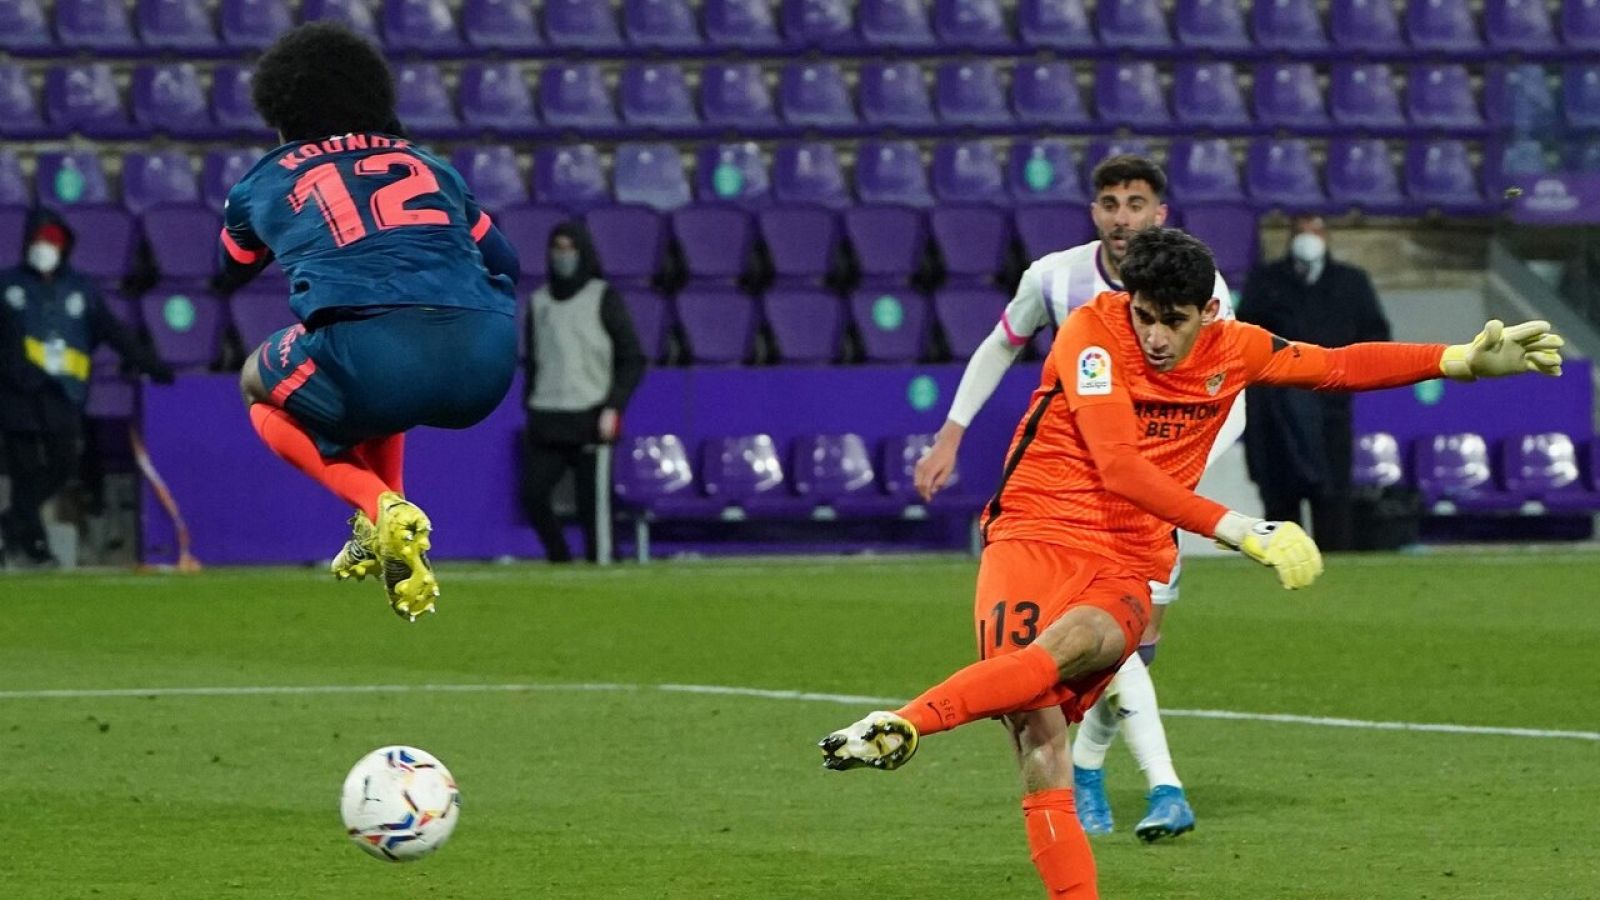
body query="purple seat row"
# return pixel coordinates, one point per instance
(1461, 473)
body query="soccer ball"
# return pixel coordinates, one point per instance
(400, 803)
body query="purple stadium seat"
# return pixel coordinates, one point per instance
(1518, 98)
(660, 23)
(1047, 227)
(184, 323)
(736, 95)
(581, 25)
(1439, 173)
(1055, 24)
(20, 114)
(1207, 94)
(1582, 156)
(70, 178)
(653, 474)
(85, 99)
(889, 240)
(1441, 25)
(814, 95)
(570, 177)
(836, 470)
(1362, 174)
(1130, 93)
(743, 24)
(15, 191)
(169, 99)
(575, 96)
(733, 173)
(221, 170)
(1543, 467)
(1440, 96)
(423, 102)
(893, 323)
(1211, 24)
(1455, 468)
(715, 240)
(969, 93)
(1138, 24)
(111, 396)
(967, 315)
(258, 312)
(1519, 25)
(1580, 95)
(231, 106)
(1044, 171)
(1229, 229)
(156, 179)
(528, 227)
(648, 310)
(357, 15)
(806, 324)
(901, 24)
(746, 472)
(183, 241)
(1365, 25)
(894, 94)
(802, 241)
(183, 25)
(491, 172)
(494, 96)
(819, 23)
(1580, 25)
(98, 26)
(719, 325)
(968, 172)
(629, 240)
(650, 175)
(1287, 25)
(971, 24)
(656, 95)
(24, 30)
(1281, 173)
(972, 240)
(1364, 96)
(1377, 461)
(1047, 94)
(423, 26)
(1505, 164)
(506, 25)
(808, 173)
(253, 24)
(105, 258)
(1203, 171)
(1287, 96)
(891, 172)
(1099, 150)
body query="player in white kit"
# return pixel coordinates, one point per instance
(1129, 195)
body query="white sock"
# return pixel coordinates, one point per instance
(1097, 730)
(1141, 718)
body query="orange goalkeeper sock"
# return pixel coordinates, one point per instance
(984, 689)
(1060, 848)
(347, 478)
(386, 458)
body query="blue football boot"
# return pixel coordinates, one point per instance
(1089, 794)
(1169, 814)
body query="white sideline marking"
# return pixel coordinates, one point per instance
(727, 691)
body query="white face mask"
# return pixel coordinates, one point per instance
(1308, 248)
(44, 258)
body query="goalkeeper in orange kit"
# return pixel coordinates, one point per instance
(1101, 470)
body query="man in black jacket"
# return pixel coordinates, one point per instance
(51, 320)
(1298, 443)
(583, 363)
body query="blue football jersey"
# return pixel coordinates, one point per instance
(364, 220)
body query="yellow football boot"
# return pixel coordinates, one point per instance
(359, 558)
(403, 542)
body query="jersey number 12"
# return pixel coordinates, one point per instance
(324, 186)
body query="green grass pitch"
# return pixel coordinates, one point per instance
(591, 780)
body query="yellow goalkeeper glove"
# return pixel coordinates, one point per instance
(1498, 350)
(1283, 546)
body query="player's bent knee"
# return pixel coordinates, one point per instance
(1085, 639)
(251, 387)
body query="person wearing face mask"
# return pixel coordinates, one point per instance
(583, 364)
(1298, 443)
(51, 320)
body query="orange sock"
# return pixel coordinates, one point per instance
(386, 457)
(348, 478)
(1059, 846)
(984, 689)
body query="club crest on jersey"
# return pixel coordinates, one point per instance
(1094, 372)
(1214, 384)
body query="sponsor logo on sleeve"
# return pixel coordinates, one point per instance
(1094, 372)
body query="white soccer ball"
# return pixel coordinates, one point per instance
(400, 803)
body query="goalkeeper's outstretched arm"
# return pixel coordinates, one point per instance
(1496, 351)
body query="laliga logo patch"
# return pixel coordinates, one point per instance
(16, 297)
(1214, 384)
(1094, 372)
(75, 305)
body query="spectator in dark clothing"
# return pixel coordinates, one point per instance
(584, 362)
(51, 320)
(1298, 443)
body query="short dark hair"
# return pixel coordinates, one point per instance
(1169, 268)
(1126, 167)
(321, 79)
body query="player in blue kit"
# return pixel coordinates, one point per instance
(403, 287)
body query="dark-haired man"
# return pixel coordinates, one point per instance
(402, 285)
(1102, 468)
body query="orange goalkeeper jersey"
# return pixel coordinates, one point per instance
(1107, 457)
